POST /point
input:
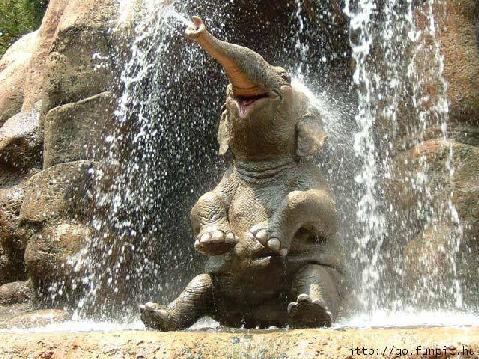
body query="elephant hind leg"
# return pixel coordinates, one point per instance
(195, 301)
(316, 288)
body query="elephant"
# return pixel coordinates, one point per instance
(270, 227)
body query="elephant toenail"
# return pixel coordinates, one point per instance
(262, 234)
(217, 236)
(205, 238)
(274, 244)
(230, 237)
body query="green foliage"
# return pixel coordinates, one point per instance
(18, 17)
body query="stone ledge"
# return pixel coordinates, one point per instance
(241, 344)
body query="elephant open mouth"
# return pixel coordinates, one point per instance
(246, 103)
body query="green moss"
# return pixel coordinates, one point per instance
(17, 18)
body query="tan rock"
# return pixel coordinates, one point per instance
(74, 130)
(13, 67)
(38, 318)
(61, 191)
(15, 293)
(48, 256)
(64, 67)
(12, 266)
(426, 255)
(291, 344)
(459, 40)
(10, 203)
(21, 140)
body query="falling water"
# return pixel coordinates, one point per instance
(149, 173)
(402, 94)
(161, 154)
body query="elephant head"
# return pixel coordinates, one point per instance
(265, 117)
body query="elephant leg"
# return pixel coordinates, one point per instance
(210, 224)
(193, 303)
(312, 210)
(316, 288)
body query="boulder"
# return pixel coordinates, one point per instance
(73, 131)
(72, 60)
(21, 140)
(48, 257)
(11, 244)
(10, 203)
(425, 255)
(8, 270)
(79, 66)
(13, 67)
(459, 40)
(58, 192)
(15, 293)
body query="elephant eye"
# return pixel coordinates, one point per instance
(286, 77)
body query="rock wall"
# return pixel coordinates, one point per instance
(56, 98)
(458, 33)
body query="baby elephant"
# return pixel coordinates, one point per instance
(270, 225)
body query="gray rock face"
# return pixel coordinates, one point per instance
(72, 131)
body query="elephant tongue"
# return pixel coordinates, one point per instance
(245, 102)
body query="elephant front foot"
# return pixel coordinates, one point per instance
(156, 316)
(214, 241)
(308, 313)
(268, 237)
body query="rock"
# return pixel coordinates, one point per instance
(10, 203)
(15, 293)
(8, 270)
(459, 39)
(21, 141)
(13, 66)
(57, 201)
(72, 131)
(304, 344)
(38, 318)
(425, 254)
(59, 192)
(72, 60)
(48, 257)
(79, 67)
(12, 247)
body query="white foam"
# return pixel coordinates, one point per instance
(388, 319)
(79, 326)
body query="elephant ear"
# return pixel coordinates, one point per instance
(310, 136)
(224, 133)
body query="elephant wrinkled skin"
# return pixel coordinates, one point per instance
(270, 226)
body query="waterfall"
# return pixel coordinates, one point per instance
(162, 153)
(402, 96)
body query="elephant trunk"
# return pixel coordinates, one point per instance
(247, 71)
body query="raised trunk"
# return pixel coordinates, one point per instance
(247, 71)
